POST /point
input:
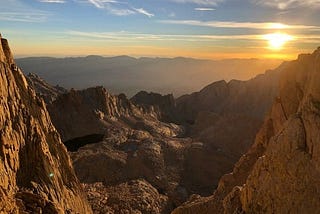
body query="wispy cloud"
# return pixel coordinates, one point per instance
(200, 2)
(118, 11)
(124, 35)
(18, 11)
(119, 8)
(129, 36)
(204, 9)
(144, 12)
(100, 3)
(248, 25)
(23, 16)
(286, 4)
(53, 1)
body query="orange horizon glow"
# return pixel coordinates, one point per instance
(151, 51)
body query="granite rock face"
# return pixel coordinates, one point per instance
(36, 175)
(163, 105)
(280, 172)
(93, 110)
(43, 89)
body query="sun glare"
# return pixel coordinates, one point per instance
(277, 40)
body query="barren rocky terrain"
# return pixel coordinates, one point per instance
(177, 146)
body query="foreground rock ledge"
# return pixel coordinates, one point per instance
(36, 174)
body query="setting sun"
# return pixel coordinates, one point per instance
(277, 40)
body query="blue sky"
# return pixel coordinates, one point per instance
(192, 28)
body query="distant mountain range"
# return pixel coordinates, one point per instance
(124, 74)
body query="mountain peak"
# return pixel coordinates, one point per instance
(5, 52)
(96, 57)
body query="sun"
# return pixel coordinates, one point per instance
(277, 40)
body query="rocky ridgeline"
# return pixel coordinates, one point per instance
(252, 97)
(43, 89)
(93, 110)
(36, 175)
(163, 105)
(280, 172)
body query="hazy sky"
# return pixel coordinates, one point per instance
(192, 28)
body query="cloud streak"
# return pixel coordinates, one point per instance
(129, 37)
(17, 11)
(23, 16)
(112, 6)
(122, 36)
(246, 25)
(143, 12)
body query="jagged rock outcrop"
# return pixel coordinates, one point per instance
(280, 172)
(36, 175)
(93, 110)
(163, 105)
(43, 89)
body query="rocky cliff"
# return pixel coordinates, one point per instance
(43, 89)
(92, 111)
(280, 172)
(163, 105)
(36, 175)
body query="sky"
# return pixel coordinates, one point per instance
(211, 29)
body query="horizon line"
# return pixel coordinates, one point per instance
(23, 56)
